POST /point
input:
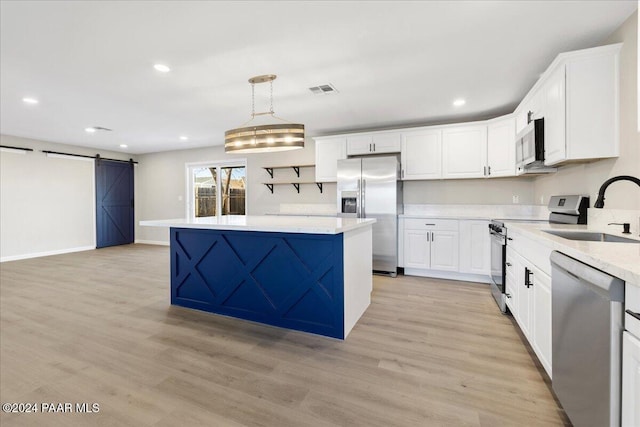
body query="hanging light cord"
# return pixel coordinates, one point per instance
(253, 105)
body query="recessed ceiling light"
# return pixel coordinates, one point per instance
(90, 130)
(30, 100)
(162, 68)
(123, 145)
(184, 138)
(459, 102)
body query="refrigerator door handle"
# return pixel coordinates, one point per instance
(358, 200)
(362, 196)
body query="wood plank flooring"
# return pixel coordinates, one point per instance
(97, 326)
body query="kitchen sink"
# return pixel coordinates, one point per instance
(591, 236)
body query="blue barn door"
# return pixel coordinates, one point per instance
(114, 203)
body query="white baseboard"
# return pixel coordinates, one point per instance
(152, 242)
(451, 275)
(47, 253)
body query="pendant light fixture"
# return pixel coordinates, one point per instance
(259, 135)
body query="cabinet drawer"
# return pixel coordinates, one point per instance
(431, 224)
(632, 303)
(534, 251)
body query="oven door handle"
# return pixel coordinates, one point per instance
(497, 237)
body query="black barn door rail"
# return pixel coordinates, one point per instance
(97, 156)
(16, 148)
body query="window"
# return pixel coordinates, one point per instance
(216, 189)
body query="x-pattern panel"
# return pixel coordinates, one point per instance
(189, 266)
(311, 277)
(254, 264)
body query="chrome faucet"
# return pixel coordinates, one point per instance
(600, 201)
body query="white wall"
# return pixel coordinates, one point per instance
(47, 204)
(587, 178)
(162, 181)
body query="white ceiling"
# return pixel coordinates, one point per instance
(394, 63)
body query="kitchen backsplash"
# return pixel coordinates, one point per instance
(479, 211)
(601, 218)
(308, 208)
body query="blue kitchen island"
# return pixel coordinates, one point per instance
(311, 274)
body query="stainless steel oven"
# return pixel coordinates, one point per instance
(498, 235)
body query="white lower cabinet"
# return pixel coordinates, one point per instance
(630, 380)
(417, 249)
(475, 247)
(541, 317)
(511, 290)
(447, 248)
(444, 250)
(631, 357)
(430, 244)
(529, 300)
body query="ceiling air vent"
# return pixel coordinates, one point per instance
(323, 89)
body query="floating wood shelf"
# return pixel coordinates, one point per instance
(296, 168)
(296, 185)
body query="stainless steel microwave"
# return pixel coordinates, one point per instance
(530, 149)
(530, 143)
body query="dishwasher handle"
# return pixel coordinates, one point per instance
(608, 286)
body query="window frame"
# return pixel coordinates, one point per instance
(218, 164)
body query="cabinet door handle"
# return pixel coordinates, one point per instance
(429, 224)
(632, 314)
(374, 147)
(508, 295)
(508, 264)
(432, 236)
(428, 236)
(369, 147)
(509, 238)
(489, 170)
(484, 169)
(527, 277)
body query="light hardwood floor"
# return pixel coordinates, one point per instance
(97, 326)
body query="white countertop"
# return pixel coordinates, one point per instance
(268, 223)
(621, 260)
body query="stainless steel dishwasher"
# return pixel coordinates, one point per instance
(587, 325)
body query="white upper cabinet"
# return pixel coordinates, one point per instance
(387, 142)
(583, 120)
(554, 116)
(374, 143)
(421, 155)
(328, 152)
(501, 156)
(531, 108)
(464, 151)
(578, 97)
(359, 144)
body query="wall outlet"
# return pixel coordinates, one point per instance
(516, 198)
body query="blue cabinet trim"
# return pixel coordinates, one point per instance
(290, 280)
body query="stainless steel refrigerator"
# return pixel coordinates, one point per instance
(368, 187)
